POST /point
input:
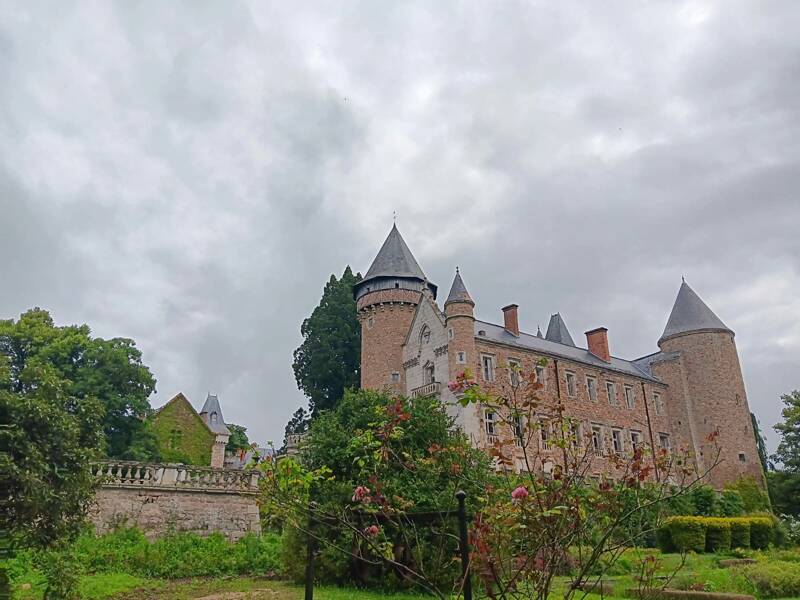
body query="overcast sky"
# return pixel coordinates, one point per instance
(190, 174)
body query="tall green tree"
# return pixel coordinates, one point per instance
(788, 451)
(328, 361)
(761, 444)
(238, 438)
(109, 372)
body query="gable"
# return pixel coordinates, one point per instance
(426, 314)
(181, 433)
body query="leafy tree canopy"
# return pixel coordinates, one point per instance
(328, 361)
(238, 439)
(297, 424)
(108, 372)
(50, 432)
(412, 449)
(788, 451)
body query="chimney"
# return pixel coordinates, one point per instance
(597, 339)
(510, 319)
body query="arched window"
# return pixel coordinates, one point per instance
(425, 335)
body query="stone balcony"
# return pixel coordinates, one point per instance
(429, 389)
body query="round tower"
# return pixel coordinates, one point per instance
(386, 300)
(708, 388)
(459, 310)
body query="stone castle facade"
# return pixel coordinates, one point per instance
(676, 397)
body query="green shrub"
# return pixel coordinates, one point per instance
(754, 497)
(687, 533)
(740, 533)
(775, 579)
(718, 535)
(664, 539)
(761, 532)
(704, 499)
(730, 504)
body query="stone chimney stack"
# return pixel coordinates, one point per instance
(511, 319)
(597, 340)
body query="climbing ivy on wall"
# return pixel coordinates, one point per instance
(182, 436)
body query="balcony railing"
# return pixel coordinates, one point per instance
(429, 389)
(132, 474)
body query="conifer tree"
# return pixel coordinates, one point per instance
(328, 361)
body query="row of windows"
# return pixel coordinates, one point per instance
(614, 442)
(488, 372)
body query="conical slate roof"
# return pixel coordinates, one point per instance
(557, 331)
(458, 291)
(210, 407)
(690, 313)
(395, 259)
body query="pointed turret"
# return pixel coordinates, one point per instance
(690, 314)
(458, 291)
(211, 413)
(394, 267)
(557, 331)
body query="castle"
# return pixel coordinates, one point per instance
(684, 395)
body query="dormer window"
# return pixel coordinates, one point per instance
(214, 417)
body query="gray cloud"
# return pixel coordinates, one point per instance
(190, 174)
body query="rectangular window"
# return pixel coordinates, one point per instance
(630, 399)
(571, 385)
(742, 457)
(488, 417)
(663, 440)
(658, 403)
(395, 377)
(575, 435)
(487, 362)
(545, 434)
(597, 439)
(461, 358)
(541, 375)
(636, 440)
(612, 392)
(616, 440)
(450, 334)
(591, 386)
(519, 429)
(514, 372)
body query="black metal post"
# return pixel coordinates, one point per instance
(463, 545)
(310, 551)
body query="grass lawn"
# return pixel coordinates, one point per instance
(701, 572)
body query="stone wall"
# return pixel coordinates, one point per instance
(159, 499)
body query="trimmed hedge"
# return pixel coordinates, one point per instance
(718, 535)
(712, 534)
(740, 532)
(688, 533)
(762, 530)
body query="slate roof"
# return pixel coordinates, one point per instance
(557, 331)
(210, 406)
(458, 291)
(690, 313)
(498, 333)
(394, 259)
(645, 363)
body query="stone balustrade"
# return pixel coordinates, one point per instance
(429, 389)
(132, 474)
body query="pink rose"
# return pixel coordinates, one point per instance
(519, 494)
(360, 494)
(372, 531)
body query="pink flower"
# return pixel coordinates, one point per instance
(453, 386)
(361, 494)
(372, 531)
(519, 493)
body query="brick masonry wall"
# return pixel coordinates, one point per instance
(385, 318)
(714, 399)
(158, 512)
(578, 407)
